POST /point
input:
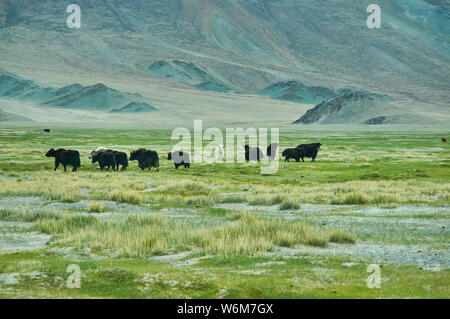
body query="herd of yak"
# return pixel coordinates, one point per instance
(148, 159)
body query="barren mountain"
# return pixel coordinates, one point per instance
(234, 46)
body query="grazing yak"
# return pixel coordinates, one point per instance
(291, 153)
(444, 140)
(309, 150)
(146, 158)
(180, 158)
(272, 151)
(121, 158)
(105, 159)
(253, 153)
(65, 157)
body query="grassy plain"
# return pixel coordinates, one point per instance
(223, 230)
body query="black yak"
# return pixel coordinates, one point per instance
(121, 159)
(272, 151)
(105, 159)
(65, 157)
(309, 150)
(291, 153)
(180, 158)
(253, 153)
(146, 158)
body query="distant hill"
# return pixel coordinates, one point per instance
(9, 117)
(378, 120)
(134, 107)
(188, 73)
(12, 85)
(296, 91)
(94, 97)
(74, 96)
(356, 107)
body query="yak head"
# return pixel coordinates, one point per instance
(51, 153)
(94, 157)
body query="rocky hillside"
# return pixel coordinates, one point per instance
(188, 73)
(296, 91)
(356, 107)
(134, 107)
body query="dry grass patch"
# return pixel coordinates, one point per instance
(138, 236)
(129, 197)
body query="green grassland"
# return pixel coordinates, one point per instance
(225, 230)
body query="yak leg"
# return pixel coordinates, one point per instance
(65, 167)
(56, 164)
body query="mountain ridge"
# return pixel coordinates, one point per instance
(357, 107)
(243, 46)
(75, 96)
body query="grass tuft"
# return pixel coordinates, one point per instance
(95, 207)
(341, 237)
(126, 197)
